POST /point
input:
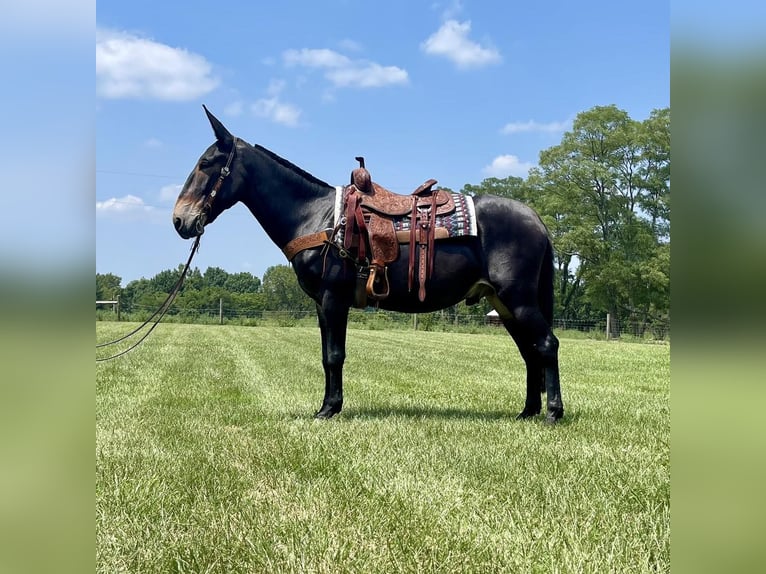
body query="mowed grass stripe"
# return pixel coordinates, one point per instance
(208, 458)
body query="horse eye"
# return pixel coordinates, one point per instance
(203, 164)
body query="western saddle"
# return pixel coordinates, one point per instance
(369, 234)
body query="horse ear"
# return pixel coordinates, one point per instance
(221, 133)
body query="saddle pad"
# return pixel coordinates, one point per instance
(459, 223)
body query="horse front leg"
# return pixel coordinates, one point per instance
(333, 320)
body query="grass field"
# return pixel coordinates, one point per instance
(208, 458)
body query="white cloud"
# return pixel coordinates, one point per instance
(505, 165)
(452, 42)
(277, 111)
(274, 109)
(369, 75)
(131, 67)
(343, 72)
(128, 206)
(533, 126)
(153, 143)
(271, 107)
(315, 58)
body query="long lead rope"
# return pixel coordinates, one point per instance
(161, 312)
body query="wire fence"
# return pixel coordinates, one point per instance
(378, 319)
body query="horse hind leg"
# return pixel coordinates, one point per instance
(538, 346)
(535, 373)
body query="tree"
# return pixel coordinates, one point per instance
(282, 291)
(134, 291)
(243, 282)
(215, 277)
(655, 171)
(604, 195)
(511, 186)
(165, 280)
(107, 286)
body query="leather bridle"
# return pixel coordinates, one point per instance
(225, 171)
(160, 313)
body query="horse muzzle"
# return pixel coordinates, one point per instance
(188, 227)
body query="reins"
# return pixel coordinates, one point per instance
(206, 207)
(161, 311)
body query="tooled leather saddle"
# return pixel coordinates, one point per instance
(369, 233)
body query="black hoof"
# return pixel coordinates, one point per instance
(527, 414)
(326, 412)
(554, 415)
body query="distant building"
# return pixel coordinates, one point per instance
(493, 318)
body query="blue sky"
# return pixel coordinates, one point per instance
(457, 91)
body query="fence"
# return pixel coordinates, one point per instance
(376, 319)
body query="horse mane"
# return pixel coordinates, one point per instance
(291, 166)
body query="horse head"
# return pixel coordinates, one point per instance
(212, 185)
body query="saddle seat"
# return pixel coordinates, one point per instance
(377, 198)
(370, 213)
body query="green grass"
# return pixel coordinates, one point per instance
(209, 460)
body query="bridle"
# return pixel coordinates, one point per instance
(157, 316)
(160, 313)
(225, 171)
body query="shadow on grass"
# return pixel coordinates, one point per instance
(371, 413)
(426, 413)
(449, 414)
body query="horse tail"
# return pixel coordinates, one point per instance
(545, 285)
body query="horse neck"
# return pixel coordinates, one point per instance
(287, 201)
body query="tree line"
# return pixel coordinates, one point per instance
(241, 293)
(603, 193)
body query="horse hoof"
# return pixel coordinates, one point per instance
(554, 416)
(525, 414)
(326, 412)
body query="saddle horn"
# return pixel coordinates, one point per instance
(361, 178)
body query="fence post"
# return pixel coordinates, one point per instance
(608, 326)
(220, 310)
(415, 321)
(118, 308)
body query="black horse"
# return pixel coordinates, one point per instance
(510, 262)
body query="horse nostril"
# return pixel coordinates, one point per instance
(177, 223)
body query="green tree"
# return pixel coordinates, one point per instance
(655, 171)
(134, 291)
(243, 282)
(107, 286)
(511, 186)
(215, 277)
(603, 196)
(165, 280)
(282, 291)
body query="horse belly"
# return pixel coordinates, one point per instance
(458, 265)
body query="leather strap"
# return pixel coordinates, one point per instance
(413, 242)
(439, 233)
(305, 242)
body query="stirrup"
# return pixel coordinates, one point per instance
(374, 269)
